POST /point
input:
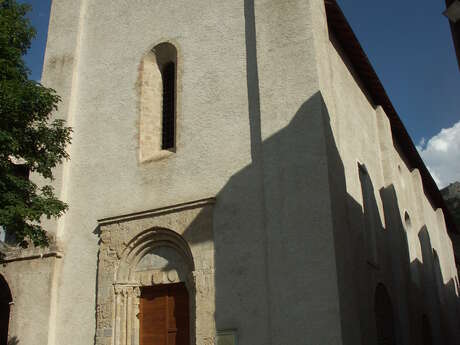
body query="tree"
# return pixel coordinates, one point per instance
(30, 141)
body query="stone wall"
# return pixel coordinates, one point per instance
(29, 274)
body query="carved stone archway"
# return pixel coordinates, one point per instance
(155, 257)
(140, 251)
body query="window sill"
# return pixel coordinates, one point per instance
(156, 156)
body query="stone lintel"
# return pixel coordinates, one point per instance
(158, 211)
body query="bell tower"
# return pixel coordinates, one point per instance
(205, 119)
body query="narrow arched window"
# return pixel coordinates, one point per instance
(169, 106)
(168, 75)
(158, 98)
(166, 58)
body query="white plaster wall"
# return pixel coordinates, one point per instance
(105, 177)
(275, 262)
(260, 88)
(303, 302)
(361, 133)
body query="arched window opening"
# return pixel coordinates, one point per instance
(158, 98)
(427, 338)
(5, 302)
(166, 57)
(384, 318)
(169, 90)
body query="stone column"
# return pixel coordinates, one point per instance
(120, 315)
(126, 311)
(135, 301)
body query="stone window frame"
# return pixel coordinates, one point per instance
(151, 101)
(124, 241)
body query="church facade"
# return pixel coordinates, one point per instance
(238, 175)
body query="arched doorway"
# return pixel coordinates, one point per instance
(5, 301)
(152, 299)
(384, 318)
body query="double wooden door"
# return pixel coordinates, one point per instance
(164, 315)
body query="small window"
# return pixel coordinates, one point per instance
(166, 58)
(169, 90)
(158, 97)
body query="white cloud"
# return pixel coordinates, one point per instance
(422, 142)
(442, 155)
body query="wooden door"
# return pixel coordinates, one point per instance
(164, 315)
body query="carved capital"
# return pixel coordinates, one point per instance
(127, 290)
(117, 290)
(121, 290)
(137, 291)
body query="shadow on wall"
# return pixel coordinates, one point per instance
(424, 309)
(275, 256)
(275, 222)
(283, 224)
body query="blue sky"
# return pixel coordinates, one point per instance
(410, 46)
(39, 17)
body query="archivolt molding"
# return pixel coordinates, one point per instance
(147, 242)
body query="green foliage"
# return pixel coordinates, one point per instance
(29, 140)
